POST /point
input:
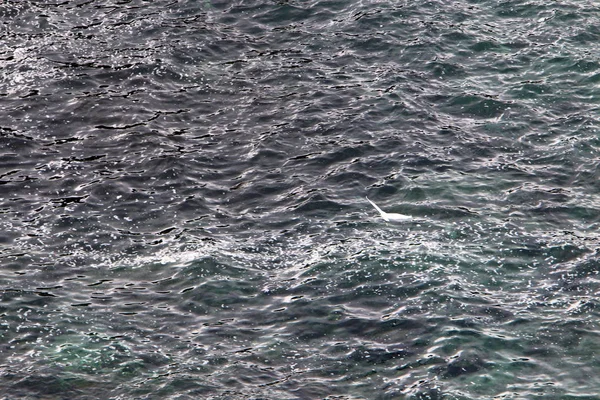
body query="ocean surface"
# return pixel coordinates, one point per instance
(183, 208)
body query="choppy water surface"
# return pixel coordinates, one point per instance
(183, 212)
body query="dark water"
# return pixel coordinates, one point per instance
(183, 212)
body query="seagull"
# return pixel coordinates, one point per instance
(390, 216)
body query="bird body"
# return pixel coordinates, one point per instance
(390, 217)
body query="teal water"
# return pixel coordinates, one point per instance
(183, 212)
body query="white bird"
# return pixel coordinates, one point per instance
(390, 216)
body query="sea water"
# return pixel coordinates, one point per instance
(183, 212)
